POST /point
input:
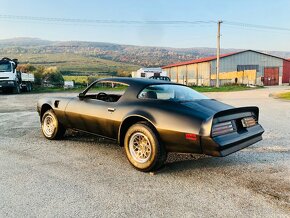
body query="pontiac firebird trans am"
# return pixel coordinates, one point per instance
(151, 118)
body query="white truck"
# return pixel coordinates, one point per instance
(12, 80)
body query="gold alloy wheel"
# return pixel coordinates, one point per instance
(140, 147)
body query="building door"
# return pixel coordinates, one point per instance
(286, 72)
(271, 76)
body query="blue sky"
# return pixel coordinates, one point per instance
(262, 12)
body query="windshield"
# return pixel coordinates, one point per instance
(5, 67)
(171, 92)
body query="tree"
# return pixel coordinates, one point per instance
(52, 77)
(26, 68)
(124, 73)
(92, 79)
(38, 75)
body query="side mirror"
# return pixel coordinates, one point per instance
(81, 96)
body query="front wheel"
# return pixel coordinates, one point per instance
(16, 89)
(51, 127)
(143, 149)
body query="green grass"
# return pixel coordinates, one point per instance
(228, 88)
(77, 79)
(285, 95)
(74, 64)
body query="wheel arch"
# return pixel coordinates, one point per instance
(45, 107)
(128, 122)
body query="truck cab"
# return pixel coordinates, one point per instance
(12, 80)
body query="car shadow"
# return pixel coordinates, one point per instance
(190, 162)
(86, 137)
(178, 163)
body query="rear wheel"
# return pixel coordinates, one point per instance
(29, 87)
(143, 149)
(51, 127)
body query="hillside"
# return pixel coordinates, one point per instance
(94, 57)
(73, 64)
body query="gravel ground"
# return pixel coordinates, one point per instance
(86, 176)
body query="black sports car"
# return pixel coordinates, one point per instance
(152, 117)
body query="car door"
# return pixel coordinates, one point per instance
(92, 115)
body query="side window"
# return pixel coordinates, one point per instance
(170, 92)
(156, 92)
(106, 91)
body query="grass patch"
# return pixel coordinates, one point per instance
(228, 88)
(285, 95)
(71, 64)
(77, 79)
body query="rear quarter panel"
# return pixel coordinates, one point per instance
(171, 120)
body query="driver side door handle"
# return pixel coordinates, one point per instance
(111, 109)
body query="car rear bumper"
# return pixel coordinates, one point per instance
(224, 145)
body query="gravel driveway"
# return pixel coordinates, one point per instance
(86, 176)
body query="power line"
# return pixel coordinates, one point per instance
(169, 23)
(96, 21)
(255, 26)
(132, 22)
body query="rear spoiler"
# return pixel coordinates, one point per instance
(236, 113)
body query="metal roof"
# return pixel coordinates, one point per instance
(206, 59)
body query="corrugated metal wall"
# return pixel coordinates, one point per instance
(240, 77)
(199, 74)
(188, 74)
(230, 63)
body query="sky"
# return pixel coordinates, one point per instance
(261, 12)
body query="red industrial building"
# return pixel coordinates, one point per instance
(286, 71)
(245, 67)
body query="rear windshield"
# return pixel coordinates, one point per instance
(170, 92)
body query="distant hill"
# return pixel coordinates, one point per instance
(102, 57)
(23, 42)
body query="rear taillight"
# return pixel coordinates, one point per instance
(222, 128)
(248, 122)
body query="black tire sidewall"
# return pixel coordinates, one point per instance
(155, 146)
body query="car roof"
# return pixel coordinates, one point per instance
(136, 85)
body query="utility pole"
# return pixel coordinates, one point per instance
(218, 53)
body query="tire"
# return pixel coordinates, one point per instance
(17, 89)
(51, 128)
(143, 148)
(28, 87)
